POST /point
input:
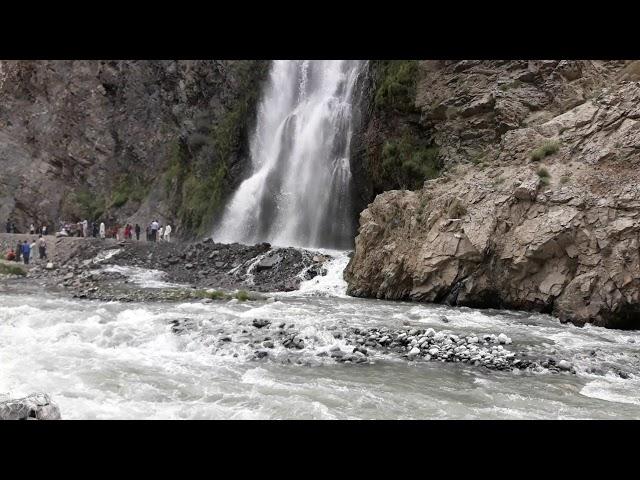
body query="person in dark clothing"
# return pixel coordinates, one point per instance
(18, 251)
(95, 229)
(137, 229)
(26, 250)
(13, 228)
(42, 247)
(8, 226)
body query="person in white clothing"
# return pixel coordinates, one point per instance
(167, 233)
(160, 232)
(102, 230)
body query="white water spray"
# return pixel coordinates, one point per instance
(299, 189)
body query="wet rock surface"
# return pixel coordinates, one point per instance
(261, 339)
(181, 270)
(37, 406)
(546, 219)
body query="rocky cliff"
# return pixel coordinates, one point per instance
(538, 204)
(123, 140)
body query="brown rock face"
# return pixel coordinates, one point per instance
(548, 220)
(67, 127)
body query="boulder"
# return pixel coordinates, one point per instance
(37, 406)
(268, 262)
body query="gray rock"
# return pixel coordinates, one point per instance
(37, 406)
(260, 322)
(564, 365)
(268, 262)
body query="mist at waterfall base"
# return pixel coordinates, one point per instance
(298, 192)
(107, 360)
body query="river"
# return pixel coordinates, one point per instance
(111, 360)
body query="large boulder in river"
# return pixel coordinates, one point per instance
(551, 223)
(37, 406)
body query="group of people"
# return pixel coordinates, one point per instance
(23, 249)
(41, 230)
(154, 231)
(157, 232)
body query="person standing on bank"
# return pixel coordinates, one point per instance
(167, 233)
(32, 249)
(137, 229)
(18, 251)
(102, 230)
(154, 230)
(26, 250)
(42, 247)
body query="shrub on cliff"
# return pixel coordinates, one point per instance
(547, 148)
(396, 85)
(457, 209)
(408, 163)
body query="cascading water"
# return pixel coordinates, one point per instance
(299, 189)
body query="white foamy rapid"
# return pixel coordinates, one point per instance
(197, 360)
(333, 283)
(299, 188)
(143, 277)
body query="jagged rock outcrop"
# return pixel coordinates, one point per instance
(96, 138)
(37, 406)
(547, 220)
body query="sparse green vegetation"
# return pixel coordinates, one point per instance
(565, 178)
(547, 148)
(196, 177)
(478, 159)
(498, 180)
(543, 172)
(11, 270)
(408, 163)
(242, 295)
(396, 85)
(213, 295)
(128, 187)
(508, 86)
(89, 205)
(544, 175)
(457, 209)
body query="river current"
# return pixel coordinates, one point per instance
(111, 360)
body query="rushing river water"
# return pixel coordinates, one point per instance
(122, 360)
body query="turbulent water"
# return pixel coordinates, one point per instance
(123, 360)
(299, 189)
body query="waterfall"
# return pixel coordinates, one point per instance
(299, 189)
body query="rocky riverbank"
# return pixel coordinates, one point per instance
(266, 340)
(544, 215)
(144, 271)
